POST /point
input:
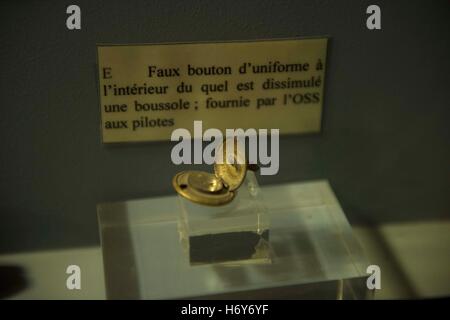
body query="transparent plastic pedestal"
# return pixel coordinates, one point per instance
(237, 232)
(314, 253)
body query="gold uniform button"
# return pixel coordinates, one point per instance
(197, 191)
(215, 189)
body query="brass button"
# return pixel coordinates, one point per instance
(197, 192)
(214, 189)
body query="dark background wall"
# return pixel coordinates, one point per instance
(385, 140)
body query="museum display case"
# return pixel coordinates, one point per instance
(116, 115)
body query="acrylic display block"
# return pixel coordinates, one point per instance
(237, 232)
(314, 253)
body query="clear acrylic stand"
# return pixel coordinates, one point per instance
(237, 232)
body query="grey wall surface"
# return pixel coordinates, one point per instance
(385, 140)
